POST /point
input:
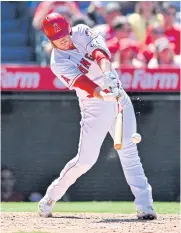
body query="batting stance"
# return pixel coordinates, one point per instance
(81, 60)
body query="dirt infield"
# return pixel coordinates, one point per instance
(87, 223)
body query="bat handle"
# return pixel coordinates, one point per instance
(120, 109)
(118, 132)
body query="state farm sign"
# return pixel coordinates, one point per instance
(29, 78)
(35, 78)
(19, 79)
(150, 80)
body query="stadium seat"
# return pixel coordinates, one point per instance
(16, 54)
(10, 25)
(8, 10)
(16, 33)
(14, 39)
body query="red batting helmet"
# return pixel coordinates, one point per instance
(55, 26)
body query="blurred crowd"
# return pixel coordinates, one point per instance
(9, 192)
(138, 34)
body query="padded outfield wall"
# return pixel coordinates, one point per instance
(40, 135)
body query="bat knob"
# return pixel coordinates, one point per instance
(118, 146)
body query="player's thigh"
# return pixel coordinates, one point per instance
(95, 123)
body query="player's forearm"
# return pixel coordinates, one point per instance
(110, 80)
(103, 60)
(105, 65)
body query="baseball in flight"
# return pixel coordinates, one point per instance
(136, 138)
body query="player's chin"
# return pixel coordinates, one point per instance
(66, 48)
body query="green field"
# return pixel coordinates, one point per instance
(91, 207)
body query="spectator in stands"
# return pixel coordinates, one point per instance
(122, 30)
(8, 181)
(146, 14)
(111, 11)
(169, 28)
(126, 56)
(81, 20)
(154, 32)
(83, 6)
(176, 4)
(35, 197)
(61, 7)
(172, 30)
(164, 55)
(127, 7)
(95, 12)
(43, 46)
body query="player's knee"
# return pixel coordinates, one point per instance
(86, 159)
(129, 148)
(82, 168)
(84, 165)
(129, 156)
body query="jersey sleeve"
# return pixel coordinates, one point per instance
(91, 39)
(68, 73)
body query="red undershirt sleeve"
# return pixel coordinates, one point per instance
(98, 54)
(84, 83)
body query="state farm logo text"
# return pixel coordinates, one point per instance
(20, 79)
(142, 79)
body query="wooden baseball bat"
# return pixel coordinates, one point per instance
(118, 137)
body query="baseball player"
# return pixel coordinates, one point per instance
(81, 60)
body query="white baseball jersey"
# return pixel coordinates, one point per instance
(98, 117)
(69, 65)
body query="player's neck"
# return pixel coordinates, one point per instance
(72, 46)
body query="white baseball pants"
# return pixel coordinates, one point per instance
(98, 118)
